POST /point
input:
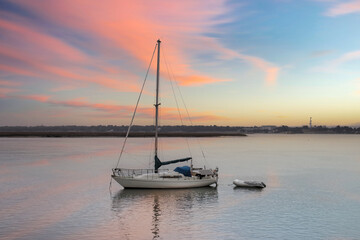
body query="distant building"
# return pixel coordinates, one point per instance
(268, 127)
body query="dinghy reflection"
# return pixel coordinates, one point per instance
(148, 207)
(247, 189)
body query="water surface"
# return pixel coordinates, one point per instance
(58, 188)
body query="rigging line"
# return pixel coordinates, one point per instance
(137, 104)
(176, 101)
(187, 112)
(150, 153)
(152, 143)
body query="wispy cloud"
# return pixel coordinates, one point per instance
(343, 8)
(125, 28)
(321, 53)
(39, 98)
(271, 70)
(38, 54)
(4, 92)
(78, 103)
(9, 83)
(68, 45)
(114, 110)
(343, 59)
(114, 30)
(347, 57)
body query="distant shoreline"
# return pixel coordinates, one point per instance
(119, 134)
(165, 131)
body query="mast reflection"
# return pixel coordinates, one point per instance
(161, 205)
(157, 214)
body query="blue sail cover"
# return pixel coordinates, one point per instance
(158, 163)
(185, 170)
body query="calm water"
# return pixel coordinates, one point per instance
(58, 189)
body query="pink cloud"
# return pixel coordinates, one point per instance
(128, 27)
(335, 63)
(350, 56)
(43, 41)
(342, 8)
(9, 83)
(116, 111)
(108, 44)
(64, 88)
(37, 68)
(81, 103)
(39, 98)
(15, 70)
(271, 70)
(343, 59)
(30, 65)
(52, 59)
(5, 91)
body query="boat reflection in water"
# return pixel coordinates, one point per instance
(149, 213)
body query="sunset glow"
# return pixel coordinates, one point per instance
(239, 63)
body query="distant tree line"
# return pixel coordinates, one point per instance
(122, 128)
(183, 128)
(318, 129)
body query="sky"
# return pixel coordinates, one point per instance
(236, 63)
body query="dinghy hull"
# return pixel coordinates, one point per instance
(248, 184)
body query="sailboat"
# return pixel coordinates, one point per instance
(180, 177)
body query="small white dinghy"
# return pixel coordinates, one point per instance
(249, 184)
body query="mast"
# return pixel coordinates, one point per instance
(157, 99)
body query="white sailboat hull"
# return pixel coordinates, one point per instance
(186, 182)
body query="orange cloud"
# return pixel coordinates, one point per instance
(271, 75)
(195, 80)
